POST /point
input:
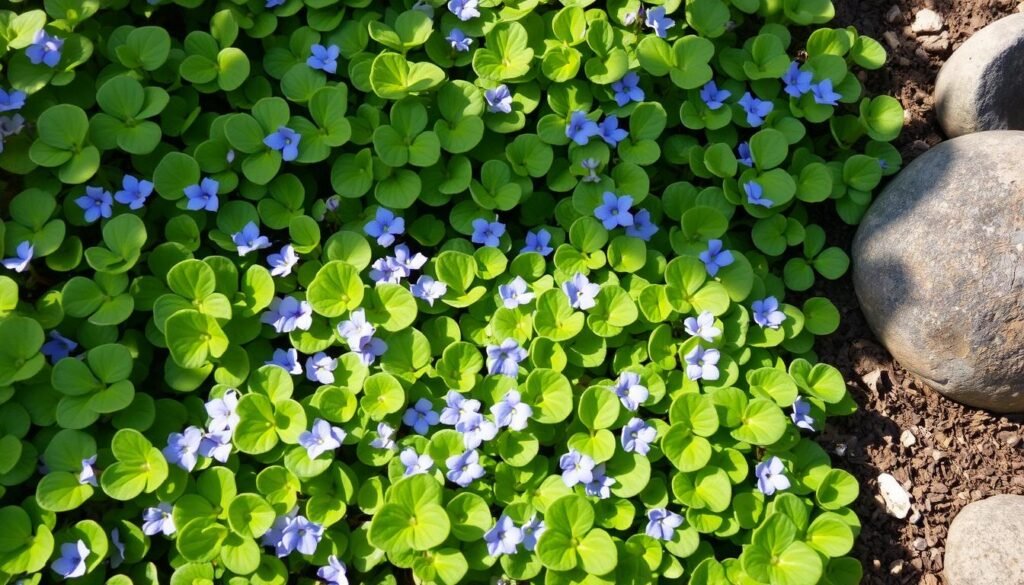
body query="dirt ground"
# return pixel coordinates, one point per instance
(945, 455)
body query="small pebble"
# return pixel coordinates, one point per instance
(927, 22)
(891, 39)
(894, 14)
(920, 544)
(907, 439)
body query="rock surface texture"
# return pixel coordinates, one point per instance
(980, 86)
(938, 267)
(983, 546)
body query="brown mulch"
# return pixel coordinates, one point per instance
(946, 455)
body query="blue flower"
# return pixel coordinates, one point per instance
(713, 97)
(458, 408)
(301, 535)
(288, 360)
(662, 524)
(268, 4)
(658, 22)
(532, 531)
(515, 293)
(424, 7)
(320, 368)
(407, 260)
(369, 349)
(281, 263)
(323, 437)
(755, 194)
(487, 233)
(285, 141)
(600, 486)
(71, 563)
(797, 82)
(702, 364)
(715, 258)
(9, 126)
(387, 271)
(476, 430)
(770, 476)
(744, 156)
(576, 468)
(355, 328)
(702, 326)
(642, 227)
(45, 49)
(421, 416)
(288, 314)
(324, 58)
(824, 95)
(134, 192)
(767, 314)
(428, 289)
(512, 412)
(465, 468)
(203, 196)
(801, 414)
(183, 448)
(385, 226)
(610, 131)
(334, 573)
(499, 100)
(249, 239)
(504, 359)
(223, 412)
(458, 40)
(116, 555)
(580, 128)
(581, 292)
(216, 445)
(158, 519)
(11, 101)
(504, 538)
(629, 390)
(87, 475)
(637, 436)
(23, 255)
(628, 89)
(58, 348)
(590, 165)
(757, 110)
(614, 211)
(96, 203)
(415, 463)
(464, 9)
(385, 437)
(538, 242)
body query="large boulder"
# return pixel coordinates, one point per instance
(983, 546)
(981, 85)
(938, 267)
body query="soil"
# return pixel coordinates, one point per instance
(945, 455)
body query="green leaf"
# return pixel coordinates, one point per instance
(763, 423)
(193, 338)
(837, 489)
(200, 540)
(60, 491)
(336, 289)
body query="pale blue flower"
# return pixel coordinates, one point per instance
(590, 165)
(476, 430)
(757, 110)
(407, 260)
(116, 555)
(282, 263)
(629, 390)
(45, 49)
(302, 535)
(223, 412)
(11, 101)
(744, 156)
(504, 359)
(335, 573)
(580, 128)
(464, 468)
(713, 97)
(96, 203)
(58, 348)
(628, 89)
(512, 412)
(385, 226)
(23, 255)
(285, 141)
(203, 196)
(610, 131)
(421, 416)
(614, 211)
(801, 414)
(715, 258)
(355, 328)
(458, 408)
(702, 326)
(428, 289)
(515, 293)
(576, 468)
(71, 563)
(499, 100)
(320, 368)
(387, 271)
(532, 531)
(464, 9)
(824, 94)
(767, 314)
(538, 242)
(662, 524)
(755, 194)
(600, 486)
(458, 40)
(642, 227)
(158, 520)
(216, 445)
(637, 436)
(487, 233)
(134, 192)
(321, 438)
(797, 82)
(249, 239)
(385, 437)
(581, 292)
(288, 360)
(288, 314)
(183, 448)
(658, 22)
(415, 463)
(369, 349)
(504, 538)
(324, 58)
(87, 475)
(771, 476)
(702, 364)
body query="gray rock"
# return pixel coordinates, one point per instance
(927, 22)
(938, 267)
(983, 544)
(980, 86)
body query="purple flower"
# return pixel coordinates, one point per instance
(302, 535)
(662, 524)
(96, 203)
(465, 468)
(285, 141)
(576, 468)
(713, 97)
(745, 157)
(287, 359)
(770, 476)
(20, 261)
(321, 438)
(288, 314)
(532, 531)
(203, 196)
(320, 368)
(658, 22)
(385, 226)
(158, 519)
(385, 437)
(334, 573)
(428, 289)
(702, 364)
(11, 101)
(369, 349)
(249, 239)
(275, 536)
(281, 264)
(629, 390)
(324, 58)
(458, 408)
(614, 211)
(223, 412)
(476, 430)
(9, 126)
(504, 538)
(637, 436)
(134, 192)
(487, 233)
(715, 258)
(590, 165)
(515, 293)
(504, 359)
(703, 326)
(45, 49)
(580, 128)
(538, 242)
(421, 416)
(87, 476)
(58, 348)
(767, 313)
(581, 292)
(216, 445)
(387, 271)
(512, 412)
(824, 95)
(757, 110)
(600, 486)
(628, 89)
(642, 226)
(407, 260)
(355, 328)
(183, 448)
(464, 9)
(801, 414)
(797, 82)
(331, 203)
(116, 555)
(458, 40)
(71, 563)
(755, 194)
(415, 463)
(610, 131)
(499, 99)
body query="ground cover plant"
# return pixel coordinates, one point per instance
(441, 292)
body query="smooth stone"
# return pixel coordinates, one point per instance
(983, 546)
(927, 21)
(938, 267)
(981, 85)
